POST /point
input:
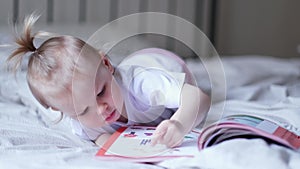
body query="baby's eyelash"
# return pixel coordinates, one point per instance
(102, 92)
(85, 111)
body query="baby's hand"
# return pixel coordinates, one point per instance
(168, 132)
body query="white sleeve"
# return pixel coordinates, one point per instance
(158, 87)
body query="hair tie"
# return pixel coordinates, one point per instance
(36, 53)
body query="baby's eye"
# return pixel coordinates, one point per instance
(102, 92)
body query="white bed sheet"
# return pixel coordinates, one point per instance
(255, 84)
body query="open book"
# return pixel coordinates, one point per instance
(248, 126)
(133, 143)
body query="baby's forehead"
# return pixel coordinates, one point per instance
(86, 67)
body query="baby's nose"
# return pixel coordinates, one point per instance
(102, 108)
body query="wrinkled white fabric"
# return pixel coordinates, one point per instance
(255, 84)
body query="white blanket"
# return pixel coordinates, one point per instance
(255, 84)
(265, 86)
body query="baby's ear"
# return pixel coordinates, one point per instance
(107, 63)
(102, 54)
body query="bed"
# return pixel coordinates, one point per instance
(30, 139)
(266, 85)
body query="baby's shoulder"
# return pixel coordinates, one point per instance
(154, 58)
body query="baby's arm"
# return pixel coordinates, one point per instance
(102, 139)
(193, 107)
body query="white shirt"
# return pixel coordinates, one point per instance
(151, 81)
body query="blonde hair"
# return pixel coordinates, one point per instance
(50, 66)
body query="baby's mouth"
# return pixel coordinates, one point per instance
(111, 116)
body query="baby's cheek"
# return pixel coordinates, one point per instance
(116, 95)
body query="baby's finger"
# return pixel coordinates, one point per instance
(158, 134)
(175, 142)
(171, 139)
(155, 139)
(166, 138)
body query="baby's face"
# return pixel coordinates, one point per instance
(96, 97)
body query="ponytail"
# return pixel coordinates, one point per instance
(24, 42)
(53, 61)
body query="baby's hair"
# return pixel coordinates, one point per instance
(25, 42)
(51, 65)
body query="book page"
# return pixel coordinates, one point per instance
(261, 128)
(135, 142)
